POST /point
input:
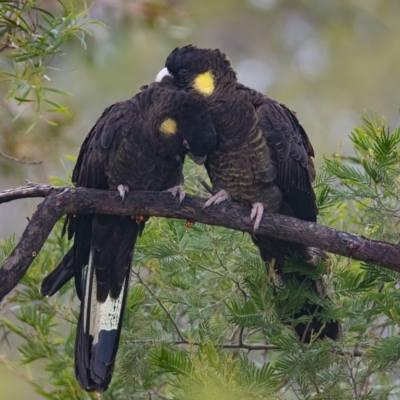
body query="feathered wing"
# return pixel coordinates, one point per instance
(111, 128)
(64, 271)
(104, 243)
(99, 148)
(291, 152)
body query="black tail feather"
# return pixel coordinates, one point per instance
(308, 332)
(64, 271)
(274, 249)
(100, 320)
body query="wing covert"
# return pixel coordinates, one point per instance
(116, 122)
(291, 152)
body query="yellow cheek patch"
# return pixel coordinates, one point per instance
(168, 127)
(204, 83)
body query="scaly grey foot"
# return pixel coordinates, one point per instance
(257, 212)
(177, 190)
(122, 189)
(221, 196)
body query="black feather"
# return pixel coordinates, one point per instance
(59, 276)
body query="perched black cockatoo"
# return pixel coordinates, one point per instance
(137, 144)
(263, 157)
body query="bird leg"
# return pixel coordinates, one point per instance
(257, 212)
(221, 196)
(189, 223)
(177, 190)
(122, 189)
(141, 218)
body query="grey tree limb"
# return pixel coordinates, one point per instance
(67, 200)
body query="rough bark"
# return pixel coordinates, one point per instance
(65, 200)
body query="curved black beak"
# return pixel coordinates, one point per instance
(196, 159)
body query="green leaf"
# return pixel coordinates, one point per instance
(58, 107)
(55, 90)
(173, 361)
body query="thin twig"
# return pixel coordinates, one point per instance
(246, 346)
(249, 347)
(252, 332)
(352, 378)
(20, 160)
(311, 319)
(162, 306)
(244, 293)
(241, 336)
(205, 184)
(232, 337)
(246, 296)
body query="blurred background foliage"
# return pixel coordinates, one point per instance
(328, 60)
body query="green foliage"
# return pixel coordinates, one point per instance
(367, 183)
(206, 373)
(203, 320)
(32, 37)
(6, 248)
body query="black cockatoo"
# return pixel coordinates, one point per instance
(263, 157)
(137, 144)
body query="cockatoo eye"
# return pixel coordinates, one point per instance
(186, 144)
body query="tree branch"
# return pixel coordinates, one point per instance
(64, 200)
(31, 189)
(249, 347)
(178, 331)
(20, 160)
